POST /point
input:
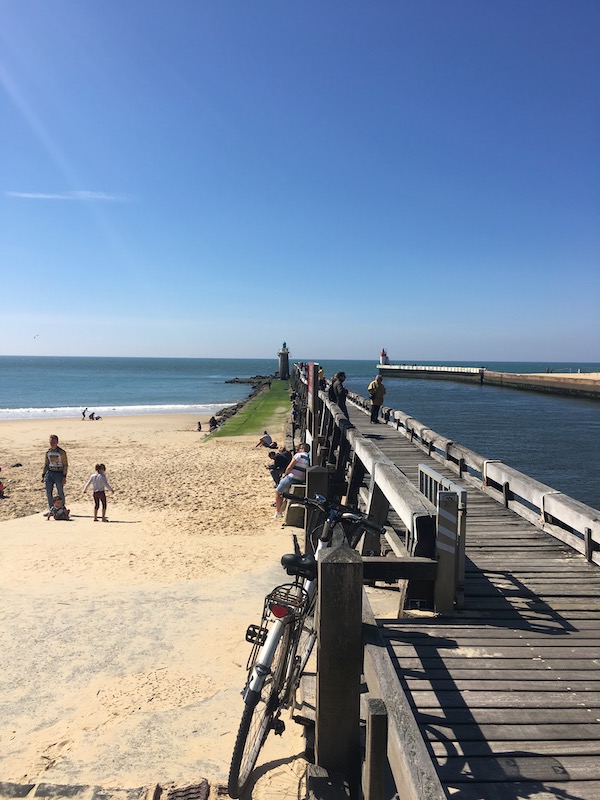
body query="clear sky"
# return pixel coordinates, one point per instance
(212, 177)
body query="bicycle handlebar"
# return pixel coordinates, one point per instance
(339, 511)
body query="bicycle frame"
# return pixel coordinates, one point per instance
(275, 656)
(262, 665)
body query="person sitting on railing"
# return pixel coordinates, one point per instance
(280, 463)
(295, 473)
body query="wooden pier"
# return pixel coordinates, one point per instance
(498, 698)
(506, 693)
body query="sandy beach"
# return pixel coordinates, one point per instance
(122, 643)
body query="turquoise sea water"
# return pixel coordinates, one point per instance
(551, 438)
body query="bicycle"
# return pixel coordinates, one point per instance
(283, 641)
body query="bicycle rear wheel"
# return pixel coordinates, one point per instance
(303, 644)
(260, 709)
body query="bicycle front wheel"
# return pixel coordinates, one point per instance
(260, 709)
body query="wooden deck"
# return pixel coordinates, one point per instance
(507, 693)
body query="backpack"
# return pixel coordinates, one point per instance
(331, 393)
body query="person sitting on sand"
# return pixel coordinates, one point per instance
(58, 510)
(266, 441)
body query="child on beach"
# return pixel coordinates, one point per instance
(99, 484)
(58, 510)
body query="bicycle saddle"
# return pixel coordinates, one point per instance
(303, 566)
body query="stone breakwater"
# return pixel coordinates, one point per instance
(258, 382)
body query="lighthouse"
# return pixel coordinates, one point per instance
(284, 362)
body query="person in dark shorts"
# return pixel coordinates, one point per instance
(99, 483)
(55, 470)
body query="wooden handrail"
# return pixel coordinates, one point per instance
(567, 519)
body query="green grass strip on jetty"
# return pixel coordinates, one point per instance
(266, 411)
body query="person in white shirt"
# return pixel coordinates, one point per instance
(99, 484)
(266, 441)
(294, 473)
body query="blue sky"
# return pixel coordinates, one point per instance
(201, 178)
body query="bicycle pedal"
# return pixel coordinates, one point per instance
(256, 634)
(278, 726)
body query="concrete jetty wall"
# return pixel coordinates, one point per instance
(565, 383)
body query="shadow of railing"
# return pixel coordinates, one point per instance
(473, 718)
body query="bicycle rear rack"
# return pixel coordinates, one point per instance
(292, 596)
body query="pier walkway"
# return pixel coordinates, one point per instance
(506, 693)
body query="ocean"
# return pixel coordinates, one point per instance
(551, 438)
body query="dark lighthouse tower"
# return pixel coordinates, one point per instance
(284, 363)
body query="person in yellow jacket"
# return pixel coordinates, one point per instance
(376, 391)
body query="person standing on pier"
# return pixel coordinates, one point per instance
(340, 392)
(376, 391)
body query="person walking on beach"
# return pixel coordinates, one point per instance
(54, 473)
(99, 483)
(376, 391)
(83, 413)
(295, 473)
(340, 392)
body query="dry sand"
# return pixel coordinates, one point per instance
(122, 649)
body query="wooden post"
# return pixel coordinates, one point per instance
(339, 658)
(313, 405)
(420, 593)
(334, 444)
(317, 482)
(446, 546)
(376, 750)
(378, 512)
(588, 544)
(355, 479)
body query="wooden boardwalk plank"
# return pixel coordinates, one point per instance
(548, 790)
(507, 692)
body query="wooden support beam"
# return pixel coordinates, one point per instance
(388, 568)
(375, 750)
(339, 655)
